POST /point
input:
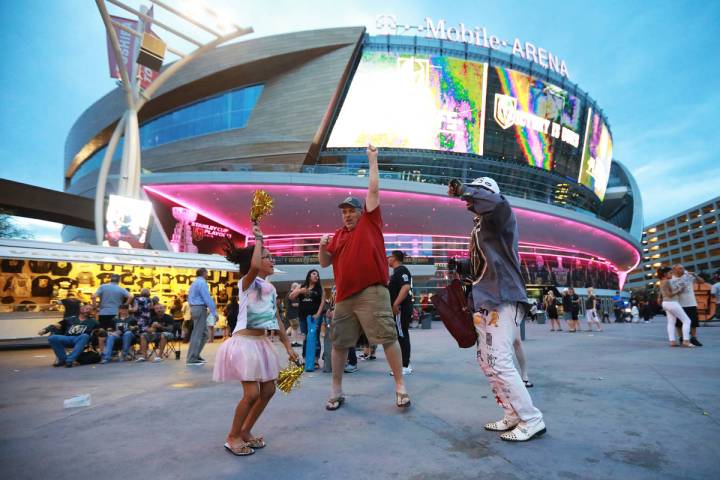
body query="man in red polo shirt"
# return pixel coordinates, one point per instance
(357, 254)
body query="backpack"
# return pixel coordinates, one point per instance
(452, 306)
(88, 357)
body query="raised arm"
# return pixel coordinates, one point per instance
(324, 257)
(373, 195)
(256, 260)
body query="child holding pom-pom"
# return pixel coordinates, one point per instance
(248, 355)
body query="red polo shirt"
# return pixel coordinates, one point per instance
(358, 256)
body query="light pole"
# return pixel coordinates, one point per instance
(135, 98)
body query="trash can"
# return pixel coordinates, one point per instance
(426, 322)
(541, 317)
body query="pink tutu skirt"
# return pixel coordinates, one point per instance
(246, 358)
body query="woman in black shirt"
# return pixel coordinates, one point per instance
(402, 303)
(311, 298)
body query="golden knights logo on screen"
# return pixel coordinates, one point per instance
(505, 109)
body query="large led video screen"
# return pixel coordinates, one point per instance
(126, 222)
(429, 102)
(532, 121)
(597, 155)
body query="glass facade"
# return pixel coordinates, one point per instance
(227, 111)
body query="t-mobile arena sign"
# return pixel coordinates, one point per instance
(388, 25)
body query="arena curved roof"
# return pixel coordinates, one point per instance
(305, 78)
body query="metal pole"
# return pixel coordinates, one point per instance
(130, 156)
(130, 180)
(102, 181)
(130, 168)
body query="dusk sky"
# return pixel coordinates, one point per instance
(652, 66)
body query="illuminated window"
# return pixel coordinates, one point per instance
(656, 256)
(653, 239)
(652, 230)
(654, 247)
(657, 264)
(227, 111)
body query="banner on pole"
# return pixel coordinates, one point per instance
(129, 49)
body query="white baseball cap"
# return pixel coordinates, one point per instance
(486, 182)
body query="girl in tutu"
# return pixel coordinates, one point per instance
(248, 356)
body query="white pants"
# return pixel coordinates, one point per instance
(520, 355)
(497, 330)
(591, 316)
(674, 311)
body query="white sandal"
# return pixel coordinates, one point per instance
(238, 450)
(502, 425)
(523, 433)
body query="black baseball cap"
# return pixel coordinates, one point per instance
(351, 201)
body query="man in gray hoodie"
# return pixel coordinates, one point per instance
(500, 304)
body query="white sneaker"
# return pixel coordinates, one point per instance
(523, 433)
(157, 360)
(502, 425)
(407, 370)
(140, 359)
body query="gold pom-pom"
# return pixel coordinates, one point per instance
(289, 377)
(262, 204)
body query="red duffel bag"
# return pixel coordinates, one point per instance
(452, 306)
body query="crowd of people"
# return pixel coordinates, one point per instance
(118, 323)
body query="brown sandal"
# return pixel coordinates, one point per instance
(399, 397)
(238, 451)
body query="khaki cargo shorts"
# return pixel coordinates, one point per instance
(369, 311)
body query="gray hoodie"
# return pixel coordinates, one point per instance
(494, 258)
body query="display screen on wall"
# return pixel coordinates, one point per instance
(126, 222)
(597, 155)
(414, 101)
(532, 121)
(190, 232)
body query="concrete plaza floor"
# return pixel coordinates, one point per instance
(618, 405)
